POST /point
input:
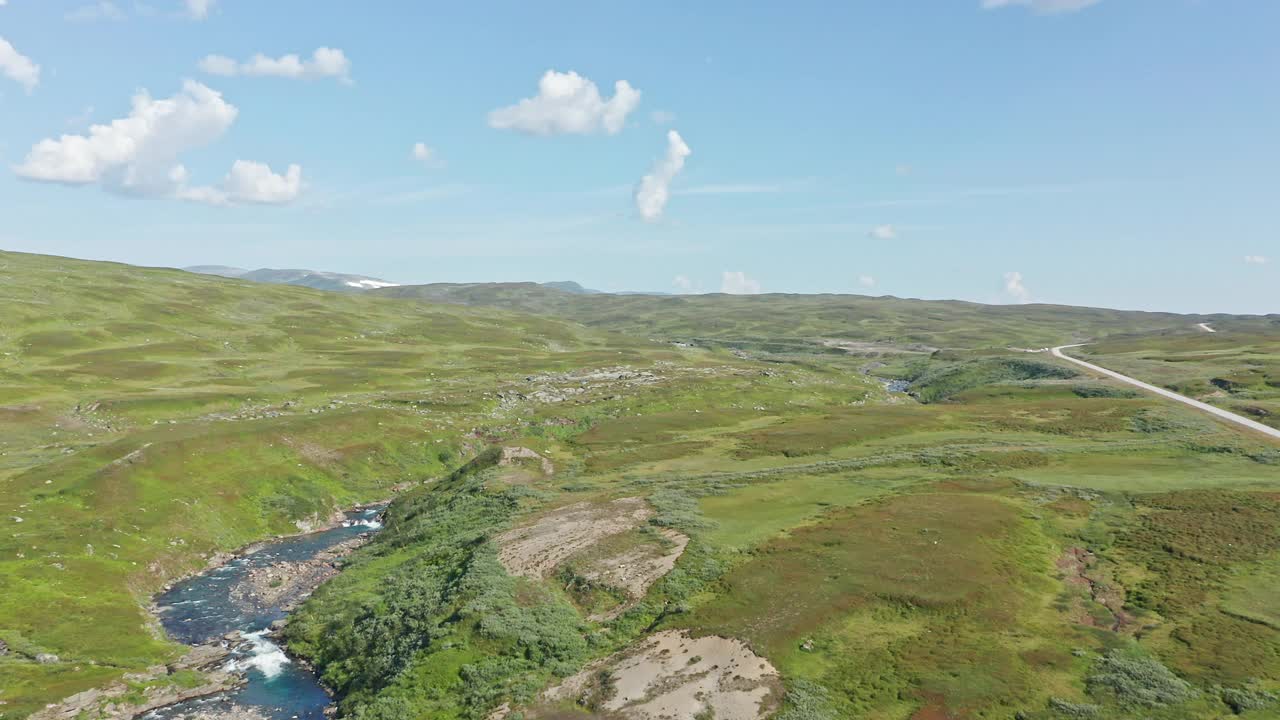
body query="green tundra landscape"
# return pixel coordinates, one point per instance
(804, 507)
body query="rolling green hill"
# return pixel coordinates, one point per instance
(150, 418)
(772, 321)
(578, 477)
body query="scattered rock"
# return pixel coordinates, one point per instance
(287, 584)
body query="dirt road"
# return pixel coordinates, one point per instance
(1205, 407)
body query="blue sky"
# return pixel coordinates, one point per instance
(1117, 153)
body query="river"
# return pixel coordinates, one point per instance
(202, 610)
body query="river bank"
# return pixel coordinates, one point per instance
(228, 613)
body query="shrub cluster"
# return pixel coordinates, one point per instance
(1138, 681)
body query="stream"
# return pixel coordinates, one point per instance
(202, 610)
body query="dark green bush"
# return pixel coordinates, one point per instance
(934, 382)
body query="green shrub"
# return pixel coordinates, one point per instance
(430, 586)
(1243, 700)
(1103, 391)
(1073, 709)
(1135, 680)
(931, 382)
(807, 700)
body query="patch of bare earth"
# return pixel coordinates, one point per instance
(517, 459)
(535, 550)
(673, 676)
(1077, 566)
(635, 570)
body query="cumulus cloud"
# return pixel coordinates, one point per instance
(1256, 259)
(568, 103)
(738, 283)
(883, 232)
(199, 9)
(247, 183)
(654, 189)
(324, 63)
(103, 10)
(139, 154)
(18, 67)
(1041, 6)
(682, 283)
(136, 151)
(255, 183)
(1014, 287)
(866, 281)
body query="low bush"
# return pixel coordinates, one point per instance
(1134, 680)
(1243, 700)
(931, 382)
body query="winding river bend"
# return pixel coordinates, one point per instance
(202, 609)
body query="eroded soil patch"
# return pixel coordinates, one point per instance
(535, 550)
(674, 676)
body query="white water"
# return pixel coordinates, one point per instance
(266, 657)
(371, 523)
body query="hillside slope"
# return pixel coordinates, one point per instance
(806, 321)
(151, 418)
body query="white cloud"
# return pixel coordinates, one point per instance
(1014, 287)
(903, 170)
(139, 154)
(199, 9)
(662, 117)
(324, 63)
(738, 283)
(568, 103)
(682, 283)
(1041, 6)
(883, 232)
(1256, 259)
(655, 188)
(137, 151)
(18, 67)
(866, 281)
(219, 65)
(102, 10)
(254, 182)
(426, 155)
(247, 183)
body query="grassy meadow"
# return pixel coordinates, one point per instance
(1011, 540)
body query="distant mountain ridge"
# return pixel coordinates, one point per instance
(320, 280)
(345, 282)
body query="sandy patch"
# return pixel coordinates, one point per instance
(535, 550)
(512, 455)
(672, 676)
(635, 570)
